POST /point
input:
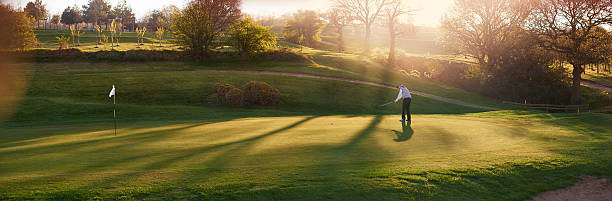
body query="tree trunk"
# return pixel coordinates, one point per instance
(577, 73)
(340, 39)
(391, 59)
(367, 38)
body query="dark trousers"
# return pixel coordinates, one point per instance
(406, 108)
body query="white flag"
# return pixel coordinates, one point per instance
(112, 92)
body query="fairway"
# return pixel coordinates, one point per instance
(305, 157)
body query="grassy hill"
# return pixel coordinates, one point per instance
(326, 140)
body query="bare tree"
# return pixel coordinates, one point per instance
(566, 26)
(392, 13)
(366, 12)
(481, 28)
(338, 19)
(202, 21)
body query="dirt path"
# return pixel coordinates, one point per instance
(443, 99)
(596, 85)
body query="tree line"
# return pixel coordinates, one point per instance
(523, 35)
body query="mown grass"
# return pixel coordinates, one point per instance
(497, 156)
(327, 140)
(88, 41)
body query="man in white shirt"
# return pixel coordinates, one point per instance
(404, 93)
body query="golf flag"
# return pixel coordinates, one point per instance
(112, 95)
(112, 92)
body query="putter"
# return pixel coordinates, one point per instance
(385, 104)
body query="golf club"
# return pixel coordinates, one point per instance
(385, 104)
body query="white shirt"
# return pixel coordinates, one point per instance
(403, 93)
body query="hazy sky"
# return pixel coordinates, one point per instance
(429, 11)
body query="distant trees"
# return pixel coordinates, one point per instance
(304, 28)
(566, 27)
(37, 11)
(338, 19)
(480, 28)
(55, 19)
(392, 13)
(71, 15)
(97, 12)
(16, 31)
(159, 18)
(201, 22)
(365, 11)
(123, 15)
(250, 38)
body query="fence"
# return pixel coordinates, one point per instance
(552, 108)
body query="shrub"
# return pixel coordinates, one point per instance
(261, 93)
(222, 89)
(234, 97)
(251, 38)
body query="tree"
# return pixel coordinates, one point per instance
(123, 13)
(16, 31)
(200, 23)
(159, 18)
(566, 26)
(55, 20)
(71, 15)
(480, 28)
(251, 38)
(338, 19)
(392, 13)
(36, 10)
(304, 28)
(97, 11)
(366, 12)
(160, 35)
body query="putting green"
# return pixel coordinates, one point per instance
(261, 142)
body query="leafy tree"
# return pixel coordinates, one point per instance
(55, 19)
(97, 12)
(251, 38)
(123, 13)
(71, 15)
(98, 35)
(202, 21)
(160, 35)
(36, 10)
(16, 31)
(566, 26)
(304, 28)
(366, 12)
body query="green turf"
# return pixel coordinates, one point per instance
(88, 40)
(327, 140)
(498, 156)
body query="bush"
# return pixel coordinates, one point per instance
(261, 93)
(222, 89)
(251, 38)
(234, 97)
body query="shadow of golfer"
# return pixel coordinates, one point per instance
(406, 133)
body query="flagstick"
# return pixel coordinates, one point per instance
(115, 113)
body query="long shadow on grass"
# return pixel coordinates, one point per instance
(219, 162)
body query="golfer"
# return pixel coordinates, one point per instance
(404, 93)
